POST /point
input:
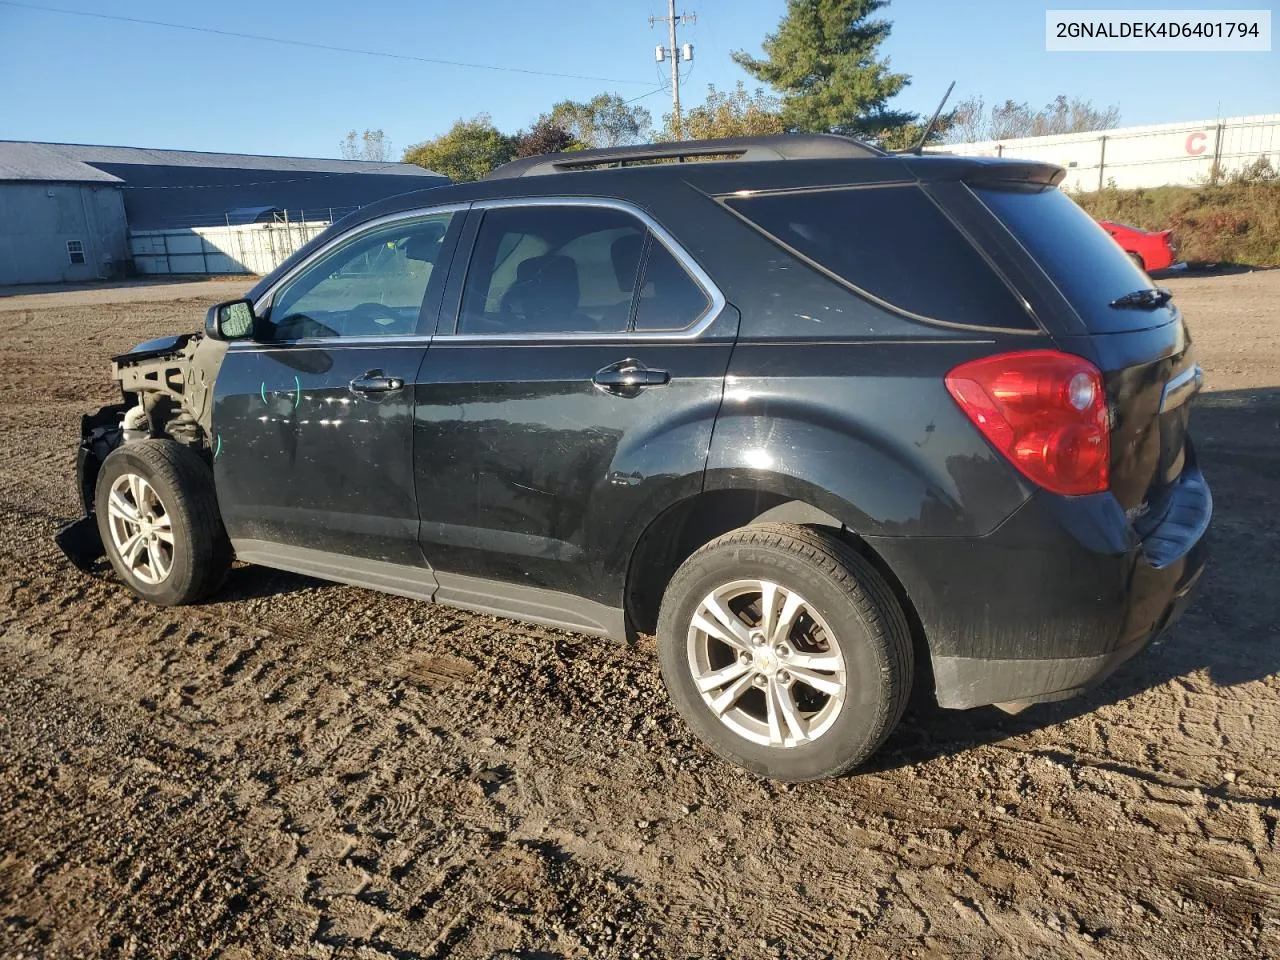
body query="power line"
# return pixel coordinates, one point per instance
(333, 48)
(649, 94)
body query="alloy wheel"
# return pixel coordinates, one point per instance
(141, 528)
(766, 663)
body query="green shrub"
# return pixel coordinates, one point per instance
(1233, 222)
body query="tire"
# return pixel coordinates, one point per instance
(848, 610)
(1138, 261)
(176, 488)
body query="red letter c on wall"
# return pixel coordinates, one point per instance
(1195, 143)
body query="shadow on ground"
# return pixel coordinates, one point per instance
(248, 582)
(1193, 270)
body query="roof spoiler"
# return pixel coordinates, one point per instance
(985, 169)
(808, 146)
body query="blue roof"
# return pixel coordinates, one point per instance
(36, 162)
(171, 188)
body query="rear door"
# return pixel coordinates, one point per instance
(1122, 322)
(577, 389)
(314, 416)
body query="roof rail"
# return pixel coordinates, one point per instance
(795, 146)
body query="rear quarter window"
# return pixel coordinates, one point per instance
(892, 244)
(1080, 257)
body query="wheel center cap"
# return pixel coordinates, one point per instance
(766, 662)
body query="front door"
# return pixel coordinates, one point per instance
(313, 418)
(580, 382)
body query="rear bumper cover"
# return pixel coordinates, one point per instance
(963, 682)
(1056, 598)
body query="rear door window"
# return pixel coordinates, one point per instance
(893, 244)
(551, 269)
(669, 298)
(1078, 255)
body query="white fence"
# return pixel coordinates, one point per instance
(256, 248)
(1151, 156)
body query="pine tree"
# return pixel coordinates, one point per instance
(823, 61)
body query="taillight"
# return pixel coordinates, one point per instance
(1045, 411)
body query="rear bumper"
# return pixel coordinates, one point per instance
(963, 682)
(1056, 598)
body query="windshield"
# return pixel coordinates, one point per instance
(1078, 255)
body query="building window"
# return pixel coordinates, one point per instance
(75, 251)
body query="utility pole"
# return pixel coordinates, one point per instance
(675, 53)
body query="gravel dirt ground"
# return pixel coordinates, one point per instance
(301, 769)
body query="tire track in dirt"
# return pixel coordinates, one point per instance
(300, 769)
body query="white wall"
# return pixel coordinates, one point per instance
(1150, 156)
(255, 248)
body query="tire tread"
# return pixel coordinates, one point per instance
(186, 472)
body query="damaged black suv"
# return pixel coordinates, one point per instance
(827, 421)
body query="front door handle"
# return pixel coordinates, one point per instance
(627, 378)
(375, 381)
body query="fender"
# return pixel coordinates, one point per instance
(885, 455)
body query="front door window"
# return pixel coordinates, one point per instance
(371, 286)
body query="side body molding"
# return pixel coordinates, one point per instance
(547, 607)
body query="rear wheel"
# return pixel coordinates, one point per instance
(785, 651)
(158, 516)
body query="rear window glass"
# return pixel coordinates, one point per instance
(1078, 255)
(894, 244)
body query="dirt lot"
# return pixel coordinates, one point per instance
(299, 769)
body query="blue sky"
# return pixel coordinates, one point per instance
(87, 80)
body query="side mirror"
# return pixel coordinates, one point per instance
(233, 320)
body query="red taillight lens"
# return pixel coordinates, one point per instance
(1045, 411)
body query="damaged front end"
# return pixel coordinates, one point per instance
(166, 387)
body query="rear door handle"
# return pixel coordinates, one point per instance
(628, 377)
(375, 381)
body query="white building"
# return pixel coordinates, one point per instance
(1149, 156)
(67, 210)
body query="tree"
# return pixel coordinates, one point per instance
(908, 135)
(730, 113)
(544, 137)
(468, 151)
(1010, 120)
(606, 120)
(968, 122)
(370, 145)
(822, 59)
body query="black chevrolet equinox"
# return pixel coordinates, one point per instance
(829, 422)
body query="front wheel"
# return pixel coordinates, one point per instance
(785, 651)
(159, 520)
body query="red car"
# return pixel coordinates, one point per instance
(1150, 251)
